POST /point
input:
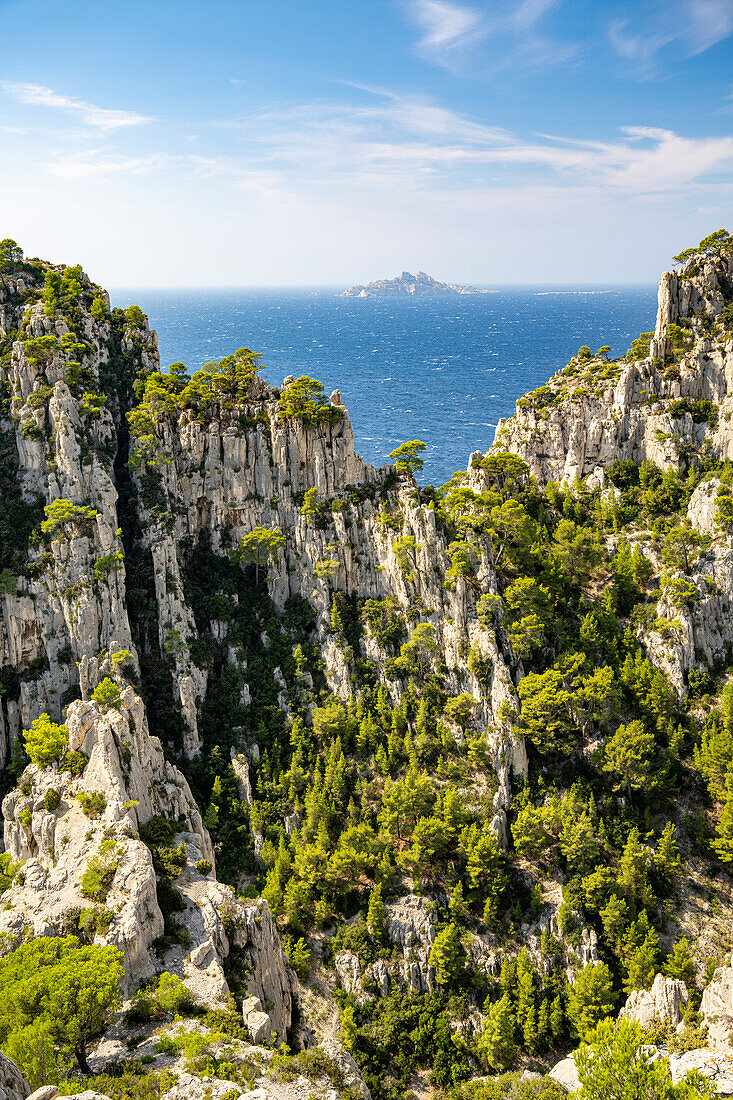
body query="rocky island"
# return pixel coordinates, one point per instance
(320, 784)
(419, 285)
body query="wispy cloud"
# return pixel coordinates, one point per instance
(450, 33)
(99, 118)
(693, 26)
(445, 28)
(395, 141)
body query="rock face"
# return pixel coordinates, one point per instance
(717, 1008)
(590, 415)
(13, 1085)
(62, 848)
(669, 401)
(664, 1002)
(713, 1066)
(205, 481)
(408, 923)
(419, 285)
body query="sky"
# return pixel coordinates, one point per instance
(330, 142)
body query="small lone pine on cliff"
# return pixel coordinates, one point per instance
(419, 285)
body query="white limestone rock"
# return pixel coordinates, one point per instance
(566, 1074)
(716, 1009)
(664, 1002)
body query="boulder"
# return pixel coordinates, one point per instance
(566, 1074)
(255, 1020)
(353, 1079)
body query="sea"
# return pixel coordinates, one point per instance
(441, 369)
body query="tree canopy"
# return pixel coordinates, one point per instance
(65, 988)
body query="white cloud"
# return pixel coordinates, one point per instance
(397, 141)
(694, 26)
(450, 33)
(100, 118)
(445, 27)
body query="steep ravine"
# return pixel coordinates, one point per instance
(432, 743)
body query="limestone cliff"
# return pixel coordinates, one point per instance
(669, 402)
(118, 574)
(645, 405)
(232, 614)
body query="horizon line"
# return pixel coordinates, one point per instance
(341, 286)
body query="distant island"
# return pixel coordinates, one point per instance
(420, 285)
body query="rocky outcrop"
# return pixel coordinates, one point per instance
(565, 1072)
(712, 1065)
(363, 986)
(220, 481)
(665, 1002)
(13, 1085)
(594, 412)
(79, 859)
(70, 603)
(409, 925)
(717, 1008)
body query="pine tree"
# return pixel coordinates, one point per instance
(530, 1033)
(544, 1025)
(366, 735)
(525, 987)
(643, 964)
(337, 623)
(591, 998)
(723, 843)
(381, 763)
(557, 1018)
(496, 1044)
(679, 964)
(456, 905)
(349, 1029)
(447, 955)
(667, 856)
(376, 913)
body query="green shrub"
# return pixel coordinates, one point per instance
(170, 861)
(46, 741)
(96, 921)
(52, 799)
(72, 990)
(304, 400)
(172, 995)
(109, 563)
(107, 695)
(135, 316)
(93, 803)
(8, 870)
(96, 882)
(74, 761)
(203, 866)
(60, 512)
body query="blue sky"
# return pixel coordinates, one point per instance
(303, 142)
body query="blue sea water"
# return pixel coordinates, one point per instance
(440, 369)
